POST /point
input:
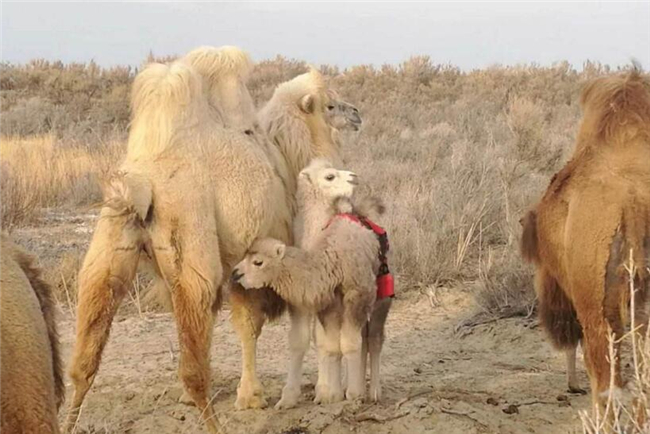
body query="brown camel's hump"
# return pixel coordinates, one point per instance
(616, 106)
(528, 242)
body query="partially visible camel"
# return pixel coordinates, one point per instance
(32, 386)
(596, 211)
(195, 190)
(342, 115)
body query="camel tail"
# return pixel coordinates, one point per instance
(528, 243)
(556, 313)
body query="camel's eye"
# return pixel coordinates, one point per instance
(330, 107)
(330, 177)
(258, 263)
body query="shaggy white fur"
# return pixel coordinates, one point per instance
(200, 182)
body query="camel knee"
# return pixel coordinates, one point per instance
(299, 338)
(351, 341)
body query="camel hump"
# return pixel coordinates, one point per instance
(617, 105)
(528, 242)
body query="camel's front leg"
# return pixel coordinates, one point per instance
(298, 346)
(247, 319)
(351, 348)
(328, 340)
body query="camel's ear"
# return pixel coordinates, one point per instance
(280, 250)
(307, 104)
(305, 175)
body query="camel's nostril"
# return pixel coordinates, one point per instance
(236, 275)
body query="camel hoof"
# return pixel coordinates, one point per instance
(245, 402)
(186, 399)
(375, 395)
(289, 399)
(351, 395)
(328, 397)
(576, 390)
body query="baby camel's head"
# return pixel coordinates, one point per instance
(261, 265)
(322, 182)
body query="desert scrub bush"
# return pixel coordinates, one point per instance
(40, 172)
(458, 156)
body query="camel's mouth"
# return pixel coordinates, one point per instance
(356, 126)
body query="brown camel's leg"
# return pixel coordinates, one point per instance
(559, 319)
(107, 272)
(571, 372)
(596, 349)
(248, 319)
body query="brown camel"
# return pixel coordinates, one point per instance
(32, 379)
(596, 211)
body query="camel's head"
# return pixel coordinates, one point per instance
(262, 264)
(341, 114)
(322, 180)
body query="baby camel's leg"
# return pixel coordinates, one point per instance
(351, 348)
(376, 341)
(298, 346)
(328, 340)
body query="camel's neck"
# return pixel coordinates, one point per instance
(313, 215)
(307, 279)
(324, 142)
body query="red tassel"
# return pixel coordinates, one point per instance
(385, 286)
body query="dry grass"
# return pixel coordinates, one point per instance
(40, 172)
(456, 156)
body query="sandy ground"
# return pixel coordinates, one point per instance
(435, 379)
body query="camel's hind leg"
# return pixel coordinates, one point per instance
(104, 279)
(194, 319)
(376, 336)
(191, 266)
(558, 318)
(571, 372)
(298, 346)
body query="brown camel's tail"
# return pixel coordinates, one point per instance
(528, 242)
(556, 313)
